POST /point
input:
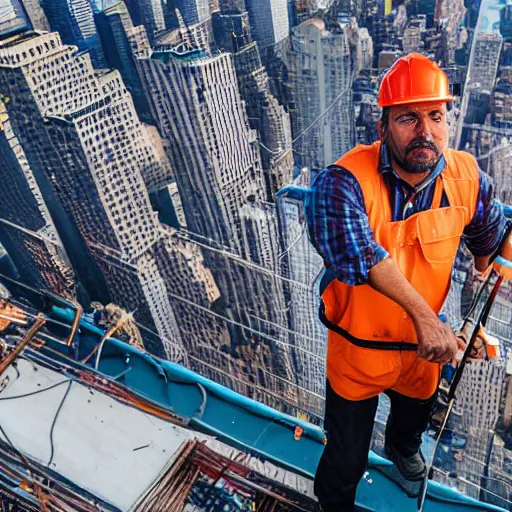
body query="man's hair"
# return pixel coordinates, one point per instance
(384, 119)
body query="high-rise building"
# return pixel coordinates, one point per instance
(411, 40)
(321, 73)
(27, 230)
(500, 171)
(265, 114)
(362, 44)
(194, 11)
(215, 157)
(506, 22)
(104, 148)
(149, 13)
(74, 20)
(304, 267)
(81, 130)
(36, 14)
(479, 396)
(448, 16)
(114, 26)
(481, 75)
(37, 74)
(483, 66)
(214, 153)
(269, 21)
(232, 5)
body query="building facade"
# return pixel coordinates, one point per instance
(266, 115)
(27, 230)
(321, 74)
(74, 20)
(269, 21)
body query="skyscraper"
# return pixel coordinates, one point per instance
(194, 11)
(320, 74)
(265, 114)
(114, 26)
(193, 93)
(481, 75)
(74, 20)
(483, 66)
(363, 47)
(304, 266)
(27, 230)
(215, 158)
(37, 74)
(448, 16)
(83, 134)
(149, 13)
(269, 20)
(104, 148)
(36, 14)
(500, 171)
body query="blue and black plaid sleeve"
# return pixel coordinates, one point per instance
(339, 228)
(484, 234)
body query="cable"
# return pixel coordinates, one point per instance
(52, 447)
(55, 421)
(37, 391)
(22, 457)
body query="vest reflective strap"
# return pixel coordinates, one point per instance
(376, 345)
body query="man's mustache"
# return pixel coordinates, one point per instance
(422, 143)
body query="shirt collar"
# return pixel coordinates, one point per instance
(386, 168)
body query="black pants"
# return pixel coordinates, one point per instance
(349, 426)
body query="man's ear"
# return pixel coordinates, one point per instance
(381, 131)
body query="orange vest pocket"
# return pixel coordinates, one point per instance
(439, 233)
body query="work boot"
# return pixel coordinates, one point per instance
(411, 468)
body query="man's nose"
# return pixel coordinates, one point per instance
(423, 129)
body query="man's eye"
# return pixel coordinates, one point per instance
(406, 120)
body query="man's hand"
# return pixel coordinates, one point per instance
(436, 341)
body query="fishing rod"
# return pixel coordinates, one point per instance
(480, 320)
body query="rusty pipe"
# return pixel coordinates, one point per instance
(5, 363)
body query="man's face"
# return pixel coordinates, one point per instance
(417, 135)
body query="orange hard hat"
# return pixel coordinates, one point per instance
(413, 79)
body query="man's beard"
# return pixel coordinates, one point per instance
(415, 166)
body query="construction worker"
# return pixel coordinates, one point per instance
(387, 220)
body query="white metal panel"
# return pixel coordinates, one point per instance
(112, 450)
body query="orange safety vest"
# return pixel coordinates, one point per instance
(424, 247)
